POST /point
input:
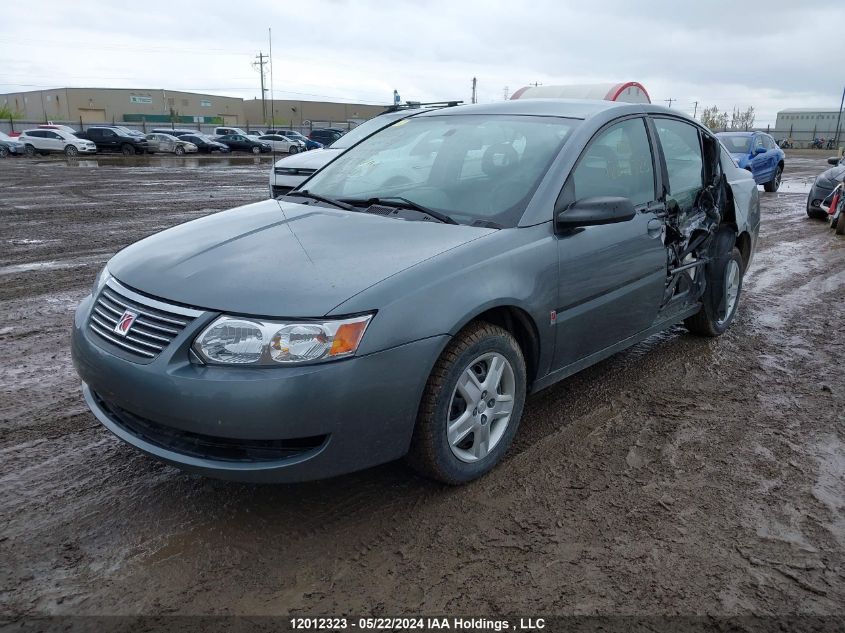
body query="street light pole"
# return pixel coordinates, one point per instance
(839, 118)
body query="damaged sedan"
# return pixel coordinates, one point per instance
(406, 298)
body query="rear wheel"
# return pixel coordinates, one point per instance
(840, 224)
(721, 298)
(127, 149)
(774, 184)
(471, 406)
(70, 150)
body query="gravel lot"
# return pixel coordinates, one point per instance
(683, 476)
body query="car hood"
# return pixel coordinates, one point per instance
(281, 259)
(314, 159)
(832, 176)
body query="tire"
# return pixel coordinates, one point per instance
(71, 151)
(467, 359)
(179, 151)
(721, 298)
(840, 225)
(4, 151)
(774, 184)
(127, 149)
(293, 149)
(256, 150)
(30, 150)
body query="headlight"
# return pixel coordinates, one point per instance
(241, 341)
(100, 281)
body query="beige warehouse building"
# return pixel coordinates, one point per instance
(124, 105)
(100, 105)
(302, 114)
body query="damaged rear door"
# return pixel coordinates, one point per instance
(696, 201)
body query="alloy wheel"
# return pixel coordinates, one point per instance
(481, 407)
(732, 277)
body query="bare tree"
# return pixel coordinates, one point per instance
(710, 117)
(722, 121)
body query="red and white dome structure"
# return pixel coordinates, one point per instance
(628, 92)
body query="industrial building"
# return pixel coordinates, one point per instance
(804, 124)
(124, 105)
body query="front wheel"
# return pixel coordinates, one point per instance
(70, 150)
(179, 151)
(127, 150)
(4, 151)
(471, 406)
(721, 299)
(256, 150)
(30, 150)
(293, 149)
(774, 184)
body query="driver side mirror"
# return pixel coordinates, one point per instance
(760, 150)
(595, 211)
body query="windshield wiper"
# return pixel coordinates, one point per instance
(410, 204)
(307, 194)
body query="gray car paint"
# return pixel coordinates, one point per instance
(424, 280)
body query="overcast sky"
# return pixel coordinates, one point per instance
(771, 55)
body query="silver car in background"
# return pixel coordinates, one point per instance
(167, 143)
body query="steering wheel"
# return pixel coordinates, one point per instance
(498, 158)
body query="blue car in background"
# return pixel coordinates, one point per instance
(758, 153)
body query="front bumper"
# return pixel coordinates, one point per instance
(277, 424)
(817, 196)
(87, 150)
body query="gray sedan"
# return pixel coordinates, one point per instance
(407, 297)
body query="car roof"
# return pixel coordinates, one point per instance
(567, 108)
(738, 133)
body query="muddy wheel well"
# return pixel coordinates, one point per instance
(743, 243)
(519, 323)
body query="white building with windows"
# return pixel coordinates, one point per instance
(805, 124)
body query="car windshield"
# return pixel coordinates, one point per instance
(362, 131)
(736, 144)
(470, 167)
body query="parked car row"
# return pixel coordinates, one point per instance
(54, 138)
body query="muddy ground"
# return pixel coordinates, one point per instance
(682, 476)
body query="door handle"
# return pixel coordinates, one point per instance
(654, 227)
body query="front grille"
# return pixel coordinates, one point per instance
(208, 446)
(154, 327)
(292, 171)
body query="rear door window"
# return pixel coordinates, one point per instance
(681, 145)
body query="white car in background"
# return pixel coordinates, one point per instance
(170, 144)
(226, 131)
(49, 141)
(281, 143)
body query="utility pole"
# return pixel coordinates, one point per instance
(506, 93)
(695, 110)
(474, 93)
(259, 66)
(670, 100)
(535, 84)
(838, 119)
